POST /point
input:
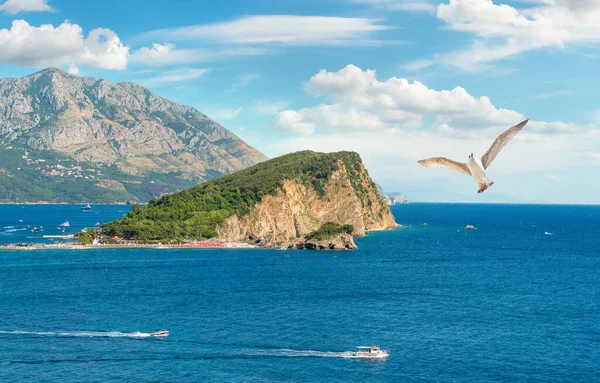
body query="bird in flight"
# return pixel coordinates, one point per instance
(476, 167)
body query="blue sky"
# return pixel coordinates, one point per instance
(395, 80)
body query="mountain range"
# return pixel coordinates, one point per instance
(65, 138)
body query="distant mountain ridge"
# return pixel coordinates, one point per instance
(94, 123)
(392, 198)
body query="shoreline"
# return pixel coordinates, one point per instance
(72, 246)
(218, 244)
(67, 203)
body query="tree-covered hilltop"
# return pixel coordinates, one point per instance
(196, 212)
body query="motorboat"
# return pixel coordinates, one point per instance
(86, 207)
(160, 333)
(65, 224)
(372, 352)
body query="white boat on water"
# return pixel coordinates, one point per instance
(160, 333)
(86, 207)
(65, 224)
(372, 352)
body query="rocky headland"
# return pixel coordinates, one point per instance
(300, 200)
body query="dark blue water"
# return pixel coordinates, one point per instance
(506, 302)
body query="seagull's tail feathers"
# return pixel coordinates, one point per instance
(483, 186)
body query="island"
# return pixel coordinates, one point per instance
(305, 200)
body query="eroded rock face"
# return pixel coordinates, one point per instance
(338, 242)
(124, 124)
(296, 210)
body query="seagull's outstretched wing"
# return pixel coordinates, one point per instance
(441, 162)
(500, 143)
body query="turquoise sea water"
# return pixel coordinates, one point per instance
(516, 300)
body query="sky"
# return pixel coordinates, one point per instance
(395, 80)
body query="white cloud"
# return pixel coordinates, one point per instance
(65, 44)
(559, 128)
(391, 157)
(168, 54)
(224, 114)
(73, 69)
(12, 7)
(270, 108)
(546, 95)
(503, 31)
(361, 102)
(552, 177)
(244, 80)
(595, 158)
(400, 5)
(174, 76)
(103, 48)
(345, 82)
(396, 152)
(294, 121)
(277, 29)
(596, 116)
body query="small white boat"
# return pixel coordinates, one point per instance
(160, 333)
(372, 352)
(86, 207)
(65, 224)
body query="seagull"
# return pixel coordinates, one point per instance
(476, 167)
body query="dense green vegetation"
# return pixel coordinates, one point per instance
(328, 230)
(86, 237)
(24, 181)
(196, 212)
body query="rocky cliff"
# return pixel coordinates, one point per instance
(123, 125)
(269, 204)
(296, 209)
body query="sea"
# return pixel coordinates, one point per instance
(515, 300)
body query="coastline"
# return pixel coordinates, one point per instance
(72, 246)
(65, 203)
(208, 244)
(398, 226)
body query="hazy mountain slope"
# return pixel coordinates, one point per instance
(122, 125)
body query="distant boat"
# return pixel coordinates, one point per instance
(160, 333)
(65, 224)
(34, 229)
(86, 207)
(372, 352)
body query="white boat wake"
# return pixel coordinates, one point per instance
(289, 353)
(276, 353)
(80, 334)
(13, 230)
